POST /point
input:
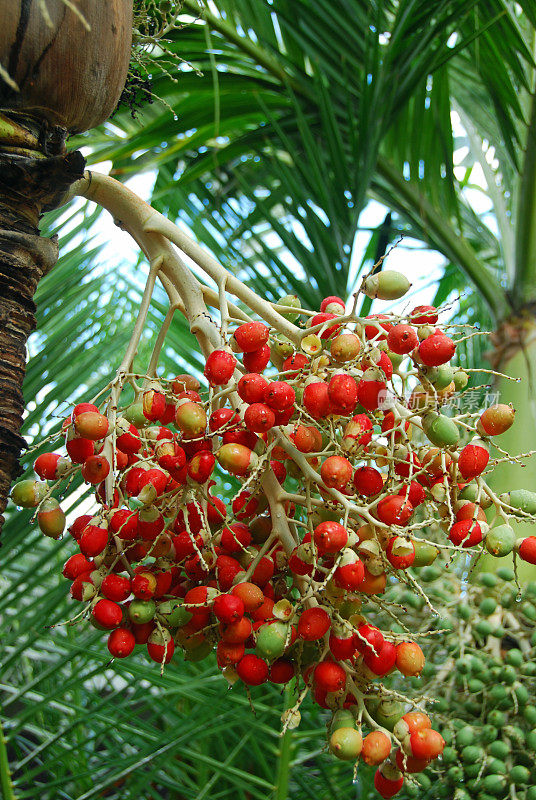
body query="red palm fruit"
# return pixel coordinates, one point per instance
(143, 585)
(409, 659)
(221, 418)
(390, 424)
(163, 582)
(250, 336)
(216, 510)
(349, 575)
(128, 437)
(170, 455)
(281, 671)
(394, 510)
(236, 632)
(402, 339)
(50, 518)
(466, 533)
(496, 420)
(316, 399)
(471, 511)
(245, 505)
(357, 433)
(83, 408)
(373, 584)
(342, 393)
(368, 481)
(259, 418)
(93, 540)
(107, 613)
(236, 537)
(130, 484)
(284, 417)
(77, 528)
(154, 404)
(185, 383)
(252, 670)
(257, 360)
(376, 328)
(313, 624)
(330, 537)
(195, 523)
(121, 642)
(415, 495)
(371, 389)
(82, 588)
(183, 545)
(227, 568)
(376, 748)
(526, 548)
(304, 438)
(338, 305)
(219, 367)
(201, 466)
(368, 639)
(321, 319)
(78, 450)
(426, 743)
(252, 387)
(298, 566)
(400, 552)
(152, 484)
(193, 396)
(329, 676)
(115, 587)
(150, 523)
(345, 347)
(168, 414)
(227, 653)
(160, 646)
(197, 603)
(101, 495)
(125, 523)
(76, 565)
(436, 349)
(49, 466)
(263, 572)
(279, 396)
(142, 631)
(91, 425)
(190, 418)
(193, 446)
(409, 723)
(279, 470)
(382, 663)
(250, 594)
(336, 471)
(473, 459)
(341, 649)
(409, 465)
(228, 608)
(410, 764)
(423, 315)
(388, 781)
(236, 458)
(294, 364)
(242, 437)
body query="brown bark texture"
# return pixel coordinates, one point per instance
(28, 187)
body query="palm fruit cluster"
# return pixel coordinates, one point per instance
(482, 674)
(344, 454)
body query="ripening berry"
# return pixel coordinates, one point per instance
(357, 433)
(345, 347)
(371, 389)
(95, 469)
(473, 459)
(76, 565)
(78, 449)
(128, 437)
(342, 393)
(228, 608)
(436, 349)
(251, 336)
(93, 540)
(342, 648)
(424, 315)
(350, 575)
(279, 396)
(388, 781)
(394, 510)
(236, 458)
(526, 548)
(426, 743)
(377, 329)
(219, 367)
(51, 519)
(281, 671)
(252, 670)
(330, 537)
(409, 659)
(259, 418)
(336, 471)
(257, 360)
(376, 748)
(191, 419)
(201, 466)
(296, 362)
(107, 613)
(382, 663)
(235, 537)
(313, 623)
(50, 466)
(316, 399)
(346, 744)
(115, 587)
(409, 764)
(185, 383)
(250, 594)
(466, 533)
(252, 388)
(329, 676)
(121, 642)
(28, 494)
(496, 420)
(160, 646)
(402, 339)
(154, 404)
(368, 481)
(333, 305)
(321, 319)
(386, 285)
(400, 552)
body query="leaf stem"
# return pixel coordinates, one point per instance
(5, 773)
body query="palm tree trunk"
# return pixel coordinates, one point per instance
(29, 185)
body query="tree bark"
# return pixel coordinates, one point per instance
(29, 186)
